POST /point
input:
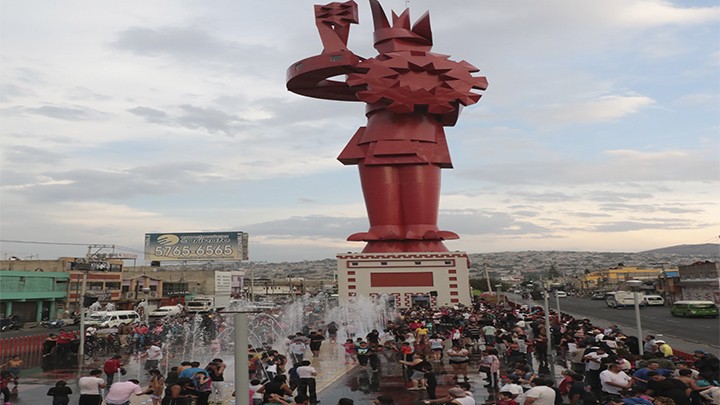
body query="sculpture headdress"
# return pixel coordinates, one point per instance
(400, 36)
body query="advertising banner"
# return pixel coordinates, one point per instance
(196, 246)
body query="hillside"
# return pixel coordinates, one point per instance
(706, 249)
(566, 262)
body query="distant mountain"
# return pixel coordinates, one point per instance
(706, 249)
(521, 262)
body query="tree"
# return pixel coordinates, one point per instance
(552, 273)
(481, 284)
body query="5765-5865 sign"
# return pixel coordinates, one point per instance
(196, 246)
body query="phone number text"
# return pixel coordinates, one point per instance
(186, 251)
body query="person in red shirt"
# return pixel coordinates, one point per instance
(64, 340)
(111, 367)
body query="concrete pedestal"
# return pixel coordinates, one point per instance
(411, 278)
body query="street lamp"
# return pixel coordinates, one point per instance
(548, 335)
(635, 288)
(555, 288)
(487, 278)
(291, 292)
(146, 291)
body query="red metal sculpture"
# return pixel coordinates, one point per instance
(411, 94)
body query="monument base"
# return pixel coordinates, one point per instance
(411, 278)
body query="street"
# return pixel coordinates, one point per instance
(703, 331)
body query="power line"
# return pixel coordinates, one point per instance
(30, 242)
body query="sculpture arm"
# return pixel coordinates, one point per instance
(311, 76)
(333, 23)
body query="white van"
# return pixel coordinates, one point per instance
(654, 300)
(199, 305)
(621, 299)
(170, 310)
(111, 319)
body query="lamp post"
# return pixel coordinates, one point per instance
(548, 335)
(146, 291)
(487, 278)
(241, 338)
(555, 288)
(83, 291)
(635, 288)
(291, 292)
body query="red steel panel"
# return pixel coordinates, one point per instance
(409, 279)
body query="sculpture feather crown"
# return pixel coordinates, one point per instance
(400, 35)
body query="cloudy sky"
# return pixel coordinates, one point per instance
(599, 130)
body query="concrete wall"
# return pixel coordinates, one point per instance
(438, 278)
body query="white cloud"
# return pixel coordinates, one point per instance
(127, 117)
(599, 109)
(661, 13)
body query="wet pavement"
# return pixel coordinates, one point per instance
(335, 380)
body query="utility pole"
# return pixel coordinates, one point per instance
(89, 258)
(487, 278)
(548, 333)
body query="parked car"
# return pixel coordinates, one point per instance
(654, 300)
(694, 308)
(171, 310)
(598, 296)
(111, 319)
(561, 294)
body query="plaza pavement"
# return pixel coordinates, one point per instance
(335, 380)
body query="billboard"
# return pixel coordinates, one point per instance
(196, 246)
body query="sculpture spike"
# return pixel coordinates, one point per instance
(403, 20)
(379, 18)
(422, 27)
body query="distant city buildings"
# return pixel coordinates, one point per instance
(38, 290)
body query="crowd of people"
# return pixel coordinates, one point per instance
(509, 347)
(506, 346)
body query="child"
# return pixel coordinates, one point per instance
(6, 378)
(60, 393)
(505, 398)
(14, 366)
(157, 383)
(350, 352)
(256, 397)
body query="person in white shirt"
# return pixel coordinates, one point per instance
(307, 374)
(512, 386)
(594, 363)
(154, 355)
(120, 392)
(90, 388)
(540, 393)
(297, 350)
(257, 397)
(489, 333)
(614, 380)
(460, 397)
(684, 366)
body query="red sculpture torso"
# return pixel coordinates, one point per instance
(411, 95)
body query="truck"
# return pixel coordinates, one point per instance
(621, 299)
(203, 303)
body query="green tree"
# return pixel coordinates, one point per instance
(552, 273)
(481, 284)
